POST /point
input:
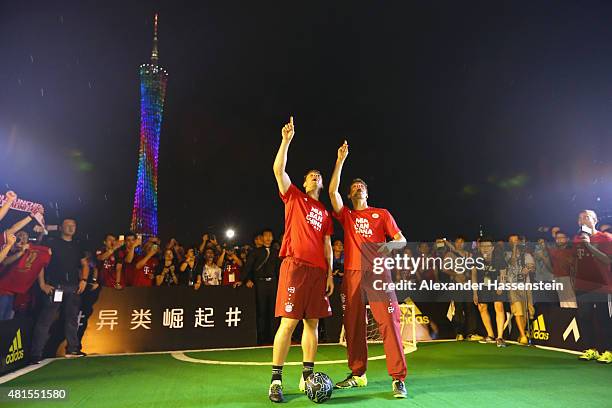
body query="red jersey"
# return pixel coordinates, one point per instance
(107, 269)
(562, 260)
(231, 274)
(19, 276)
(142, 276)
(307, 222)
(591, 273)
(369, 226)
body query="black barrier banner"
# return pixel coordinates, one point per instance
(15, 340)
(572, 329)
(169, 318)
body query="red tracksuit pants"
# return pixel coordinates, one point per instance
(386, 312)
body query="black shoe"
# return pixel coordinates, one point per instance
(275, 393)
(75, 354)
(399, 389)
(36, 359)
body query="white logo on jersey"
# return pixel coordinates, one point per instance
(315, 218)
(288, 307)
(362, 227)
(375, 215)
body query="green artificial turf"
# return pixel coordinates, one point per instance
(446, 374)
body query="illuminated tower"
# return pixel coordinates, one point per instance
(153, 81)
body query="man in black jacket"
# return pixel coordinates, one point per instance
(261, 272)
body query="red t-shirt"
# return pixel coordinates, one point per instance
(562, 260)
(307, 222)
(141, 277)
(592, 274)
(107, 269)
(369, 226)
(19, 276)
(230, 269)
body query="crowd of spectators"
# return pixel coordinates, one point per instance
(33, 270)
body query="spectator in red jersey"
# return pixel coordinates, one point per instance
(108, 265)
(144, 265)
(231, 266)
(125, 258)
(19, 271)
(11, 197)
(423, 272)
(166, 271)
(562, 263)
(593, 283)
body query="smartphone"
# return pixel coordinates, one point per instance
(586, 230)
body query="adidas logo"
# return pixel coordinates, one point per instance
(419, 318)
(539, 329)
(15, 351)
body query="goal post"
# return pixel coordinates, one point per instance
(407, 328)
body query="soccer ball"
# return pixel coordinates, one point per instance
(319, 387)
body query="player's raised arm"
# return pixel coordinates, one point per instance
(334, 183)
(282, 178)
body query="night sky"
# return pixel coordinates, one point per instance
(458, 114)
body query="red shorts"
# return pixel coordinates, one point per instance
(301, 291)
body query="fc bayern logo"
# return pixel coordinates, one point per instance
(288, 307)
(375, 215)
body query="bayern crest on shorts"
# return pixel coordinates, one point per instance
(288, 307)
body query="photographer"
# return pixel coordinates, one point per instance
(211, 271)
(62, 284)
(108, 263)
(232, 264)
(494, 269)
(177, 250)
(464, 317)
(188, 275)
(519, 265)
(145, 264)
(166, 271)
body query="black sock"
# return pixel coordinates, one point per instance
(277, 373)
(307, 370)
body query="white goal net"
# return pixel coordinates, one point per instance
(407, 328)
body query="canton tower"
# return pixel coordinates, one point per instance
(153, 81)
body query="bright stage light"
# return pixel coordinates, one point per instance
(230, 233)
